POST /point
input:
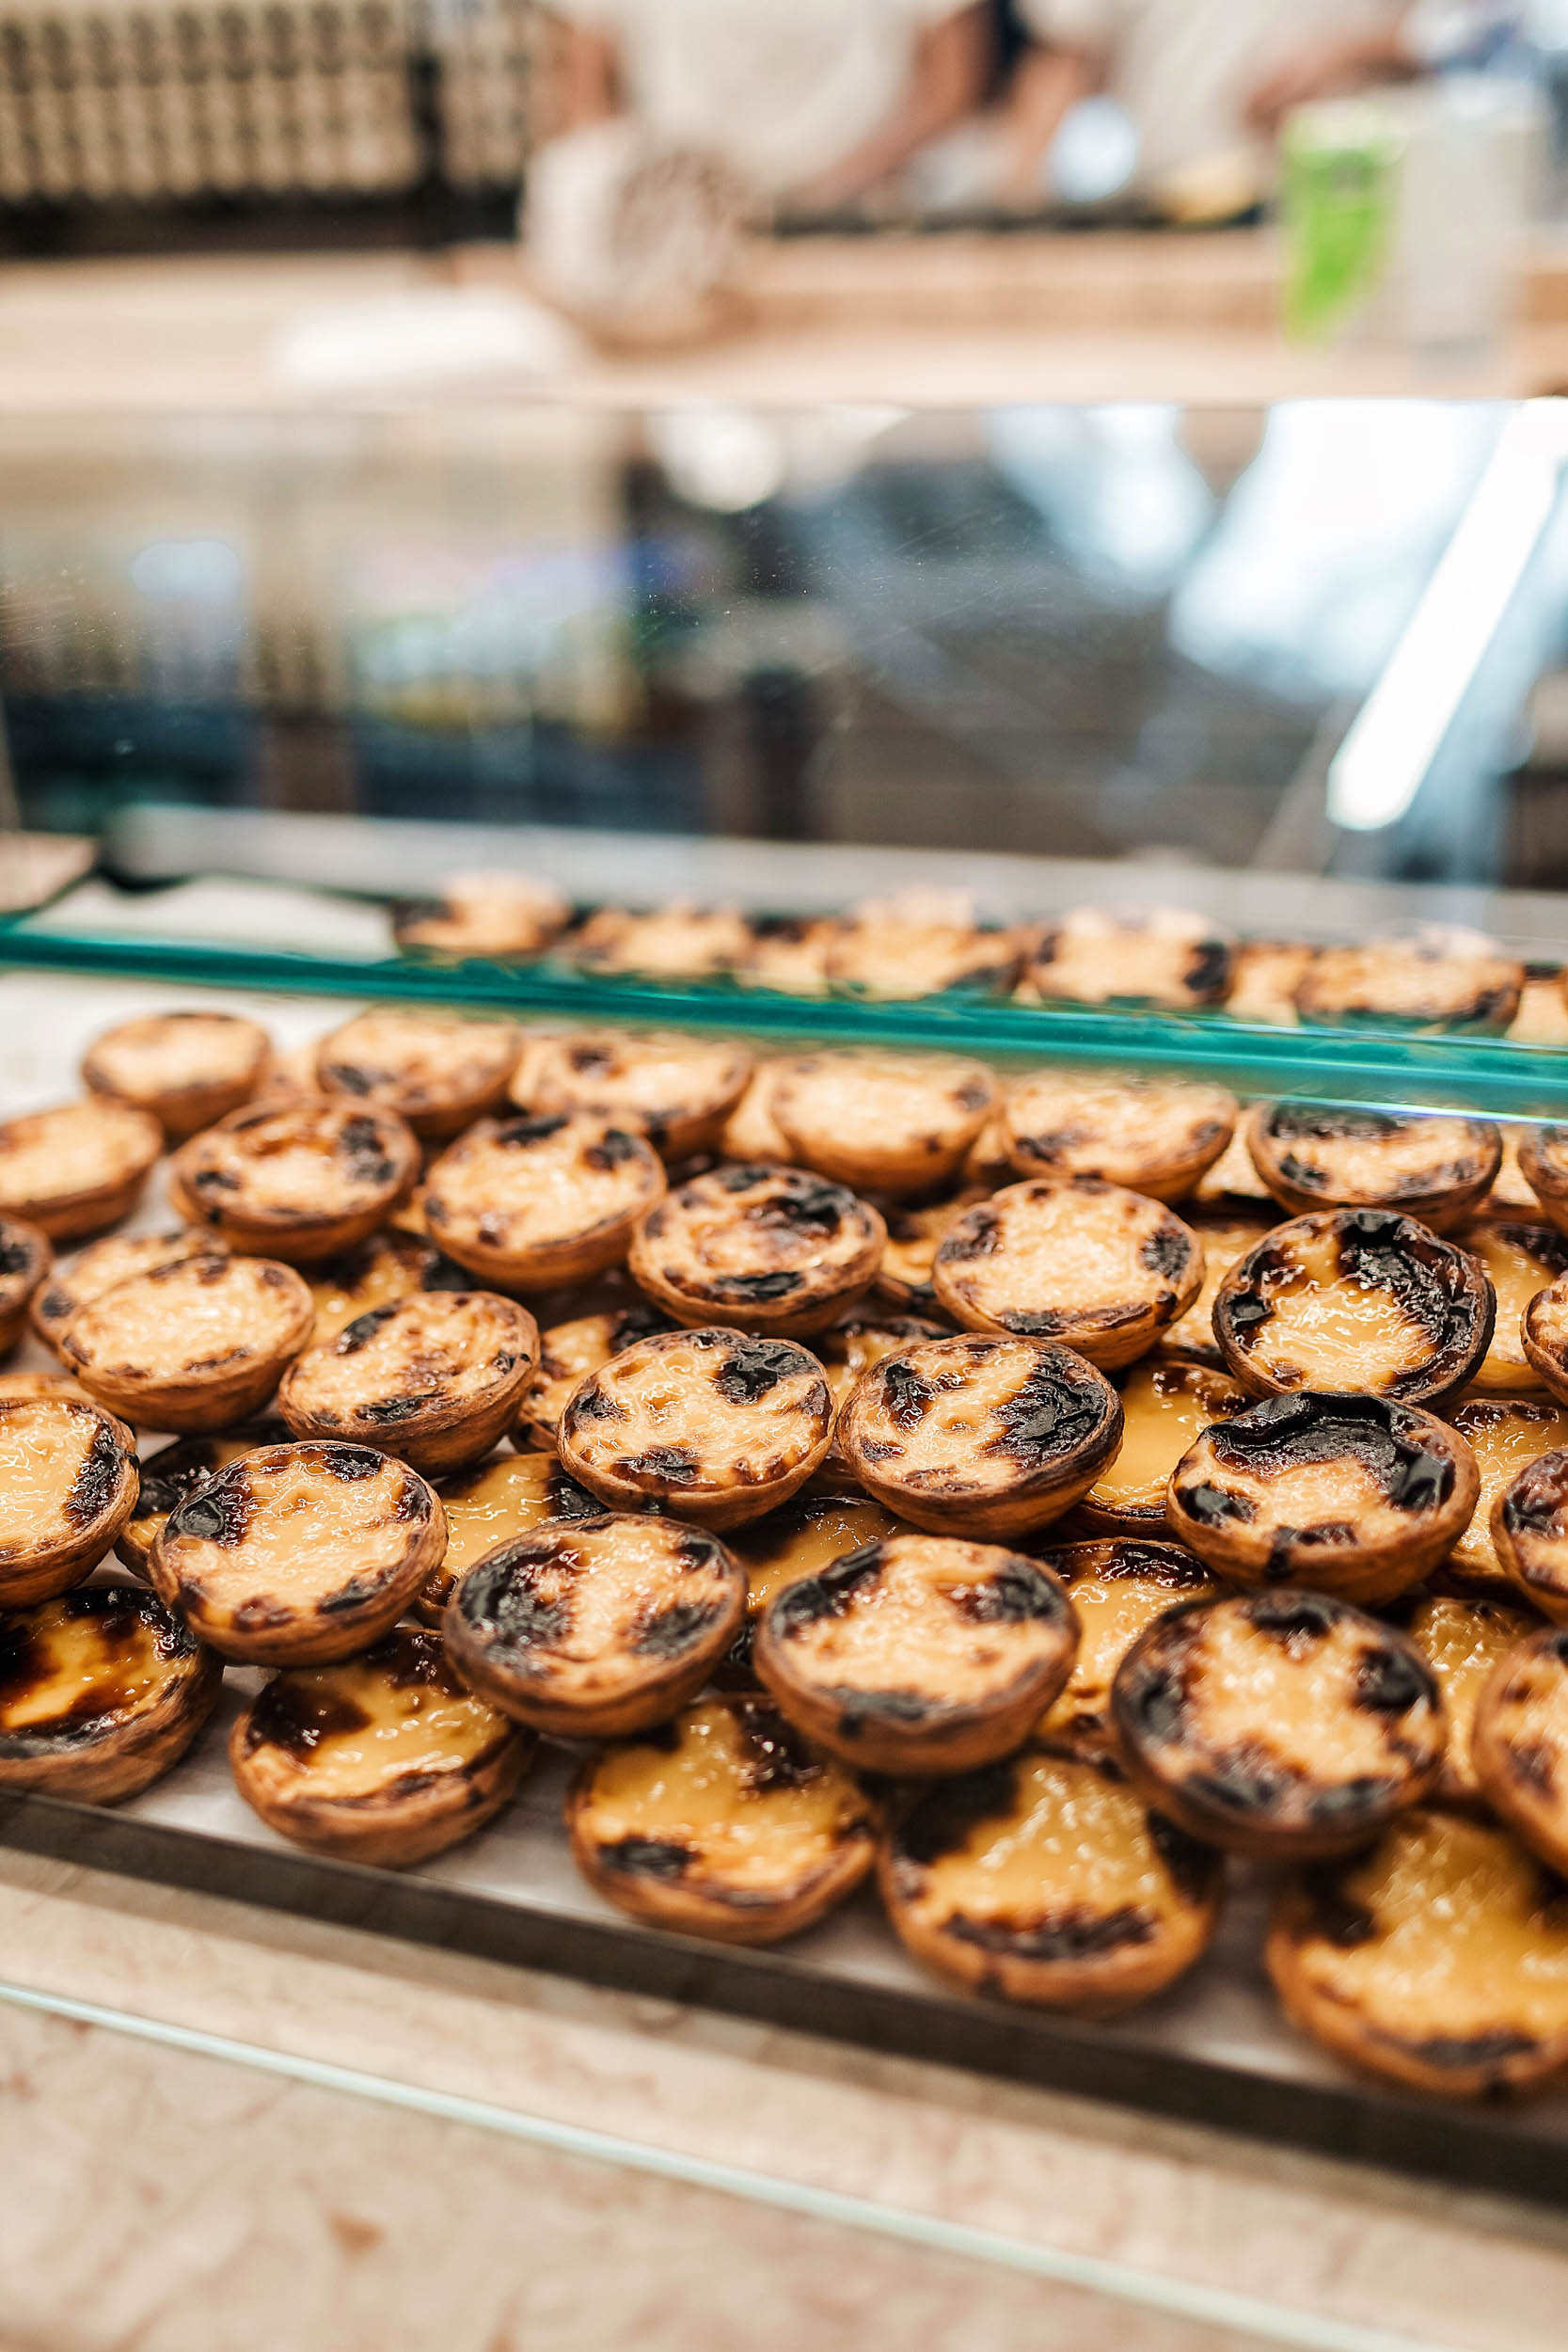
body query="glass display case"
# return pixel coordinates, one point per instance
(1227, 678)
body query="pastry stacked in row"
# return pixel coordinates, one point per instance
(928, 942)
(1028, 1492)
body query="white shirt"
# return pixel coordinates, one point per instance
(782, 90)
(1185, 69)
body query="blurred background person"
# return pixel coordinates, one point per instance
(1206, 84)
(812, 101)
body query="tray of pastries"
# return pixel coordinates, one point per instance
(1060, 1571)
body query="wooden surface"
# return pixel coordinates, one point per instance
(917, 321)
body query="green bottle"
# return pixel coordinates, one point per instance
(1339, 171)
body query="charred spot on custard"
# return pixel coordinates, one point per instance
(1305, 1428)
(96, 1483)
(753, 1367)
(219, 1511)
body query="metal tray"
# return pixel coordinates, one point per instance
(1213, 2050)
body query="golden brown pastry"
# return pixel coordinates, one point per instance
(381, 1758)
(77, 1168)
(1225, 1234)
(1520, 1261)
(101, 1691)
(1355, 1300)
(724, 1824)
(301, 1181)
(496, 1499)
(1101, 1269)
(920, 1656)
(297, 1555)
(980, 1438)
(1233, 1186)
(433, 1069)
(25, 1259)
(103, 1264)
(1519, 1743)
(1165, 1408)
(915, 1233)
(435, 1378)
(1350, 1494)
(1132, 956)
(1117, 1585)
(752, 1132)
(1503, 1433)
(1432, 979)
(898, 1123)
(1543, 1332)
(1543, 1015)
(176, 1470)
(1530, 1532)
(920, 944)
(760, 1248)
(499, 916)
(680, 942)
(1439, 1960)
(719, 1426)
(820, 1525)
(568, 1352)
(678, 1090)
(851, 1349)
(1266, 976)
(68, 1485)
(187, 1069)
(596, 1629)
(531, 1204)
(1462, 1641)
(1044, 1879)
(1278, 1723)
(392, 1265)
(1324, 1155)
(788, 953)
(198, 1344)
(1156, 1136)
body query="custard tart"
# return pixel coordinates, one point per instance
(1324, 1155)
(499, 917)
(1435, 978)
(101, 1692)
(297, 1555)
(1352, 1495)
(68, 1485)
(678, 1090)
(390, 1266)
(980, 1438)
(176, 1470)
(1437, 1959)
(1117, 1585)
(1045, 1879)
(1519, 1743)
(725, 1822)
(381, 1758)
(596, 1629)
(915, 1230)
(1530, 1532)
(1278, 1724)
(760, 1248)
(717, 1426)
(1520, 1260)
(898, 1123)
(489, 1504)
(1161, 956)
(919, 1655)
(568, 1352)
(76, 1169)
(532, 1204)
(680, 942)
(1355, 1300)
(822, 1524)
(300, 1181)
(435, 1380)
(1155, 1135)
(194, 1345)
(1464, 1641)
(1225, 1235)
(25, 1259)
(1504, 1433)
(433, 1069)
(1543, 1333)
(921, 943)
(103, 1263)
(187, 1068)
(1099, 1268)
(1165, 1408)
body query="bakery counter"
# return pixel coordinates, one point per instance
(267, 2106)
